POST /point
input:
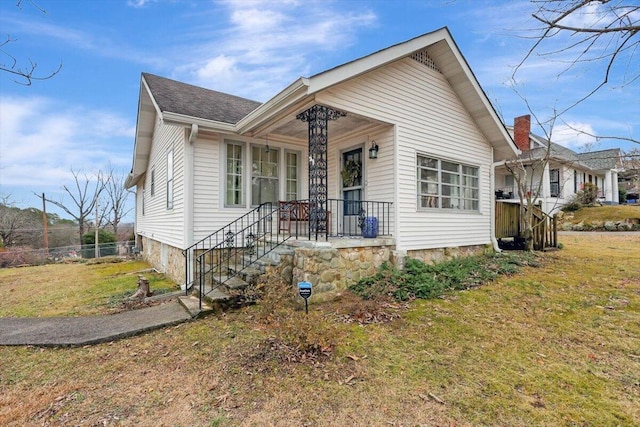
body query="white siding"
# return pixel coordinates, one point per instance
(429, 119)
(158, 222)
(209, 211)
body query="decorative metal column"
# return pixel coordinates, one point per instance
(318, 118)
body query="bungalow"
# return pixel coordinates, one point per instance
(565, 173)
(389, 156)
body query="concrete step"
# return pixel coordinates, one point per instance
(248, 274)
(233, 282)
(192, 305)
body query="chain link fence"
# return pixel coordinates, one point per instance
(23, 256)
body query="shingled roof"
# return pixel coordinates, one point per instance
(601, 160)
(181, 98)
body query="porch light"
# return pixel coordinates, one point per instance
(373, 151)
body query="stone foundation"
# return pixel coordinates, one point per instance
(173, 265)
(332, 270)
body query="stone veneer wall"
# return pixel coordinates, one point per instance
(331, 270)
(152, 253)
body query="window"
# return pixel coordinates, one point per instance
(575, 181)
(447, 185)
(234, 196)
(170, 179)
(153, 182)
(554, 179)
(291, 161)
(264, 175)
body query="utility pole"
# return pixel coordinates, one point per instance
(45, 221)
(97, 248)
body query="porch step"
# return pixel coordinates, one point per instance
(233, 282)
(191, 303)
(248, 274)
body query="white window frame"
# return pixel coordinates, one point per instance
(436, 197)
(239, 175)
(153, 182)
(170, 177)
(286, 193)
(254, 176)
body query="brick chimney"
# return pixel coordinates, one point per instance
(521, 131)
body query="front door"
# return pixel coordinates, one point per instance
(352, 190)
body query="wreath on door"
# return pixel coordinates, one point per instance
(351, 172)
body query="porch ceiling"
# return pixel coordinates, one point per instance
(297, 129)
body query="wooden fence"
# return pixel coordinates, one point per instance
(510, 224)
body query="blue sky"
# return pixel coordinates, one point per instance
(84, 117)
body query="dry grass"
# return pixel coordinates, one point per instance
(552, 346)
(72, 289)
(606, 213)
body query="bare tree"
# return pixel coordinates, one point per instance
(528, 176)
(595, 33)
(84, 196)
(24, 74)
(116, 199)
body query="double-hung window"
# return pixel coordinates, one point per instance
(264, 175)
(234, 171)
(447, 185)
(291, 159)
(554, 181)
(170, 179)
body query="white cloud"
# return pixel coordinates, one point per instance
(41, 140)
(574, 135)
(270, 44)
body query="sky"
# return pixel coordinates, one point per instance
(83, 119)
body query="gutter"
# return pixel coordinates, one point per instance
(492, 187)
(181, 119)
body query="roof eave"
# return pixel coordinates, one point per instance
(184, 120)
(288, 96)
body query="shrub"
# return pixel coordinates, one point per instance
(106, 242)
(622, 194)
(573, 205)
(589, 194)
(420, 280)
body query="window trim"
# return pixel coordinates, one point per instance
(278, 177)
(152, 189)
(298, 170)
(552, 182)
(243, 161)
(439, 196)
(170, 179)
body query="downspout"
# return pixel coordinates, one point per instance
(188, 202)
(492, 188)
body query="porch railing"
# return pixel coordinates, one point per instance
(233, 248)
(510, 223)
(338, 218)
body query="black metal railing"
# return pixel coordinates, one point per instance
(232, 249)
(338, 218)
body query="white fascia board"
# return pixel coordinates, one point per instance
(291, 94)
(182, 119)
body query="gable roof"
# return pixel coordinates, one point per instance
(189, 105)
(188, 100)
(602, 159)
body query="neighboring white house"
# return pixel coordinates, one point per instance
(563, 175)
(204, 158)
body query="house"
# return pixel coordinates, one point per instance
(558, 180)
(401, 143)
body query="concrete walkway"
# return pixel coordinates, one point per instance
(79, 331)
